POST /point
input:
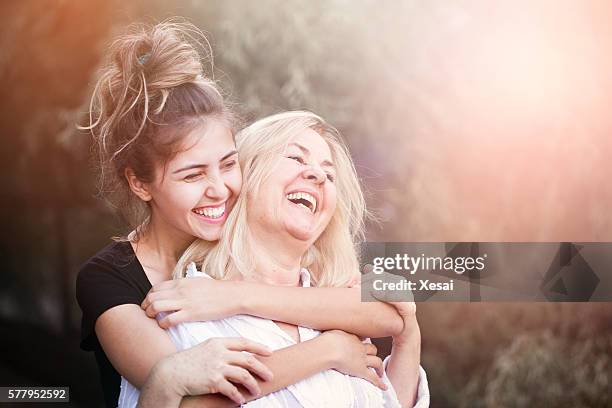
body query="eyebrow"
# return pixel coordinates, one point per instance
(304, 150)
(203, 166)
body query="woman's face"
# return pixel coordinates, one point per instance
(299, 197)
(196, 190)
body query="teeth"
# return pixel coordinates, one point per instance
(216, 212)
(304, 196)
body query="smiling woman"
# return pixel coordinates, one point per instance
(295, 196)
(197, 188)
(168, 159)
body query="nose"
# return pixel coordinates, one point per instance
(216, 188)
(314, 174)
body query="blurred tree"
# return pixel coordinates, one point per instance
(542, 370)
(49, 51)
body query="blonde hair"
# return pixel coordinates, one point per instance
(151, 92)
(333, 259)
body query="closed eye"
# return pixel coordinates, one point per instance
(330, 177)
(229, 164)
(298, 159)
(193, 176)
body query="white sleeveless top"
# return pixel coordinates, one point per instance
(329, 388)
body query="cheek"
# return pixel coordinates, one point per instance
(258, 209)
(331, 198)
(182, 197)
(264, 205)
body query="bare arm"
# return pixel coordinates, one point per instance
(200, 299)
(132, 342)
(169, 378)
(125, 329)
(324, 309)
(289, 365)
(404, 362)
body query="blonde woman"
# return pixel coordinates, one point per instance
(296, 223)
(169, 167)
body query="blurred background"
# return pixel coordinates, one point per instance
(469, 120)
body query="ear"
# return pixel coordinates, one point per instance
(138, 187)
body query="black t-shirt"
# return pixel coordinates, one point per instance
(110, 278)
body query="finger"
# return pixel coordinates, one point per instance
(153, 296)
(162, 306)
(173, 319)
(405, 308)
(252, 364)
(370, 349)
(375, 363)
(229, 390)
(376, 380)
(242, 344)
(239, 375)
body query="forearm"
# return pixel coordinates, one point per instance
(124, 329)
(289, 365)
(403, 365)
(295, 363)
(324, 309)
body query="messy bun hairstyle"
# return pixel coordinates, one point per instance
(151, 93)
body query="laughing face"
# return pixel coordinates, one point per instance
(199, 185)
(298, 198)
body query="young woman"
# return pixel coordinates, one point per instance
(301, 208)
(168, 164)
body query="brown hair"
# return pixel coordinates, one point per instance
(150, 94)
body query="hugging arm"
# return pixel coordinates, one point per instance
(177, 376)
(331, 350)
(198, 299)
(403, 368)
(324, 309)
(135, 344)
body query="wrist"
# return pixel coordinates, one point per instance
(246, 300)
(409, 336)
(162, 386)
(328, 350)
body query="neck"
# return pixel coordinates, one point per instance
(277, 259)
(161, 246)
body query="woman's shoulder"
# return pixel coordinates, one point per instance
(112, 277)
(116, 255)
(112, 268)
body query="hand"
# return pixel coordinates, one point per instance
(212, 366)
(411, 332)
(405, 305)
(354, 357)
(193, 299)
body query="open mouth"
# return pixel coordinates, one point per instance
(305, 200)
(211, 212)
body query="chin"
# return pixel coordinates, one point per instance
(211, 235)
(304, 234)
